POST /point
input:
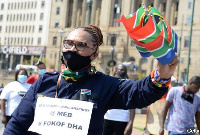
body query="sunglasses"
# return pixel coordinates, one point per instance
(80, 46)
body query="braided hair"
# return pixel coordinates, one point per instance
(95, 32)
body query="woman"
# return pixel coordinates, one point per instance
(78, 81)
(12, 95)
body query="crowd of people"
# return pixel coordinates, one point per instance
(116, 96)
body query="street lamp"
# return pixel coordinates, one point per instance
(61, 32)
(89, 4)
(189, 50)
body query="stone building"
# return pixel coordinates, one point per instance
(24, 28)
(43, 36)
(67, 14)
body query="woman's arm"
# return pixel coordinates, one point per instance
(3, 111)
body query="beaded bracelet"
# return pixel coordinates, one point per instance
(158, 79)
(157, 83)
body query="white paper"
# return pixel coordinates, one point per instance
(61, 116)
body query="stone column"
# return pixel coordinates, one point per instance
(156, 4)
(66, 10)
(21, 59)
(168, 10)
(105, 18)
(94, 8)
(134, 6)
(74, 13)
(126, 7)
(32, 57)
(172, 16)
(84, 10)
(11, 61)
(146, 3)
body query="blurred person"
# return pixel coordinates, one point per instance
(9, 70)
(12, 94)
(41, 70)
(183, 104)
(79, 81)
(119, 121)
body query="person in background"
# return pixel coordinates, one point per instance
(41, 70)
(119, 121)
(106, 92)
(12, 95)
(183, 104)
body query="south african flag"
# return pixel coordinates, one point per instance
(151, 34)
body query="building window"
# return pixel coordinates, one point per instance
(33, 29)
(28, 41)
(27, 17)
(29, 28)
(15, 28)
(28, 5)
(31, 16)
(189, 4)
(40, 28)
(189, 18)
(2, 6)
(24, 40)
(42, 4)
(26, 29)
(22, 5)
(39, 41)
(14, 17)
(177, 4)
(187, 41)
(143, 61)
(32, 41)
(0, 28)
(164, 6)
(113, 40)
(19, 29)
(34, 17)
(56, 24)
(1, 17)
(41, 16)
(15, 6)
(58, 10)
(36, 4)
(54, 40)
(7, 17)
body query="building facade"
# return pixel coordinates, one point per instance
(67, 14)
(24, 28)
(29, 28)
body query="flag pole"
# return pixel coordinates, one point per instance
(191, 25)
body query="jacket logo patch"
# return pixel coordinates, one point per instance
(40, 95)
(85, 92)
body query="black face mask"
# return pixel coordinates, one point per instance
(75, 61)
(187, 97)
(122, 74)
